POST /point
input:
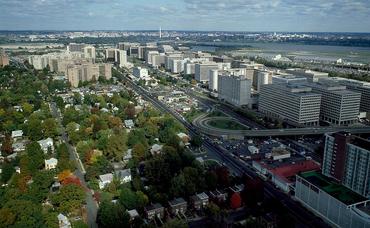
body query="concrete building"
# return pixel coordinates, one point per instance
(122, 58)
(336, 204)
(261, 78)
(150, 55)
(111, 54)
(177, 65)
(90, 52)
(213, 80)
(235, 90)
(310, 75)
(4, 60)
(140, 73)
(339, 106)
(201, 71)
(74, 47)
(288, 79)
(88, 72)
(347, 160)
(296, 104)
(169, 59)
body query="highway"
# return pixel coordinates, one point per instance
(202, 123)
(301, 215)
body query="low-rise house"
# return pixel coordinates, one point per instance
(55, 187)
(129, 124)
(199, 201)
(133, 214)
(105, 179)
(156, 149)
(51, 163)
(124, 176)
(17, 169)
(218, 196)
(17, 134)
(63, 221)
(154, 210)
(128, 156)
(19, 146)
(178, 205)
(184, 138)
(46, 145)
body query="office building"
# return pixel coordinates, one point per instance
(140, 73)
(347, 160)
(296, 104)
(336, 204)
(261, 78)
(288, 79)
(213, 80)
(176, 65)
(339, 106)
(235, 90)
(201, 70)
(168, 59)
(310, 75)
(149, 58)
(88, 72)
(90, 52)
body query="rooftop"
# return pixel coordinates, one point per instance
(334, 189)
(177, 201)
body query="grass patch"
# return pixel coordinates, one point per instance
(227, 124)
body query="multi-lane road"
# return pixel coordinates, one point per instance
(301, 215)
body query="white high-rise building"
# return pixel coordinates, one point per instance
(122, 61)
(296, 104)
(213, 80)
(235, 90)
(89, 52)
(202, 71)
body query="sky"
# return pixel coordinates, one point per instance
(204, 15)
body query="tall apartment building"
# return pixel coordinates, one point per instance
(90, 52)
(122, 58)
(347, 159)
(296, 104)
(201, 71)
(111, 54)
(4, 60)
(74, 47)
(87, 72)
(336, 204)
(339, 105)
(235, 90)
(149, 57)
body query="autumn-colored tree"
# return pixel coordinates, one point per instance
(114, 122)
(64, 175)
(130, 111)
(138, 151)
(6, 147)
(235, 201)
(71, 180)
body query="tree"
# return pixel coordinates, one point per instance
(64, 175)
(138, 152)
(27, 213)
(175, 223)
(197, 141)
(50, 127)
(130, 111)
(116, 147)
(7, 218)
(69, 199)
(7, 173)
(36, 156)
(34, 129)
(128, 198)
(6, 147)
(235, 201)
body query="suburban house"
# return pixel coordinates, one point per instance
(184, 138)
(129, 124)
(46, 145)
(218, 196)
(156, 149)
(178, 205)
(154, 210)
(63, 221)
(51, 163)
(124, 175)
(105, 179)
(199, 201)
(133, 214)
(17, 134)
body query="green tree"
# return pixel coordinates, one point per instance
(36, 157)
(50, 128)
(128, 198)
(139, 152)
(7, 173)
(27, 213)
(116, 147)
(112, 215)
(69, 199)
(175, 223)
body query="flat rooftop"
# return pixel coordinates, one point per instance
(334, 189)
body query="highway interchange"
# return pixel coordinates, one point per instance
(301, 215)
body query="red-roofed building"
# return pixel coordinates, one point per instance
(283, 175)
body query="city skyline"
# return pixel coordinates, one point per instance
(215, 15)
